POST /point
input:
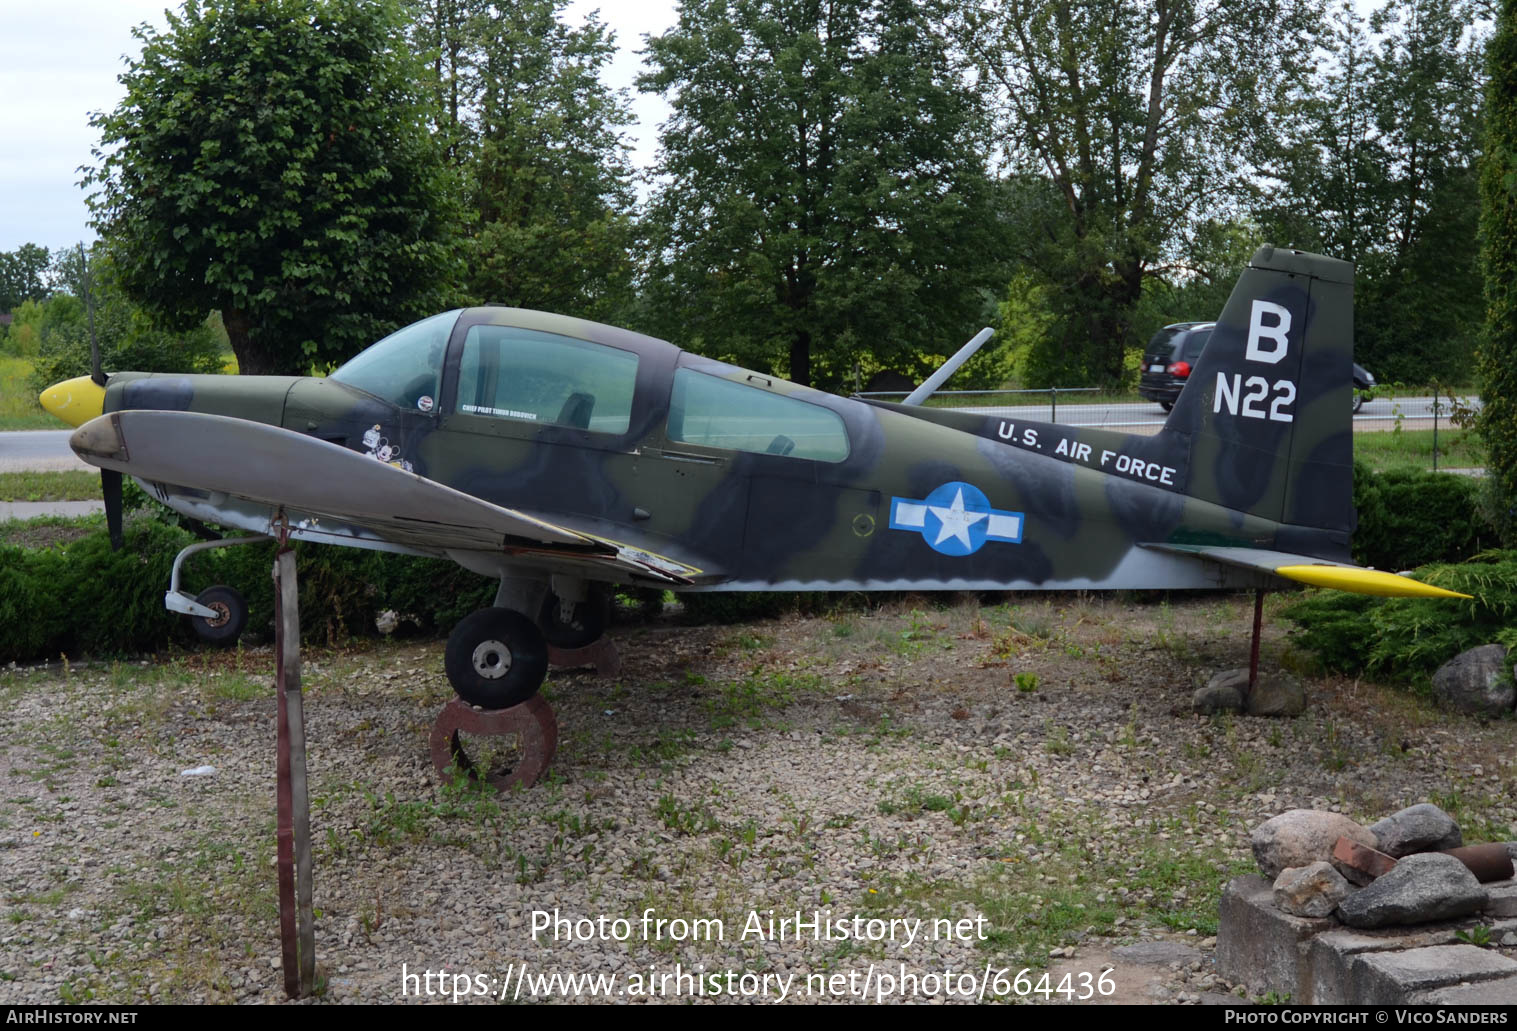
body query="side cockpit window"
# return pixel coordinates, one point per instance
(525, 375)
(405, 368)
(721, 413)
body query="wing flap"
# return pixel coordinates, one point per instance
(1317, 572)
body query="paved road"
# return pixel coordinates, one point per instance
(47, 450)
(37, 451)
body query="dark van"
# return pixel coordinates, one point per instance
(1168, 359)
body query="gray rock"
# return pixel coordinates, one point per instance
(1502, 900)
(1302, 837)
(1314, 890)
(1222, 693)
(1477, 681)
(1418, 828)
(1277, 695)
(1423, 887)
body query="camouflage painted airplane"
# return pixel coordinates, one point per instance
(561, 456)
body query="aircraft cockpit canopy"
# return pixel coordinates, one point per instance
(405, 366)
(509, 372)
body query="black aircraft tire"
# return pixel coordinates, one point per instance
(228, 625)
(591, 618)
(1167, 405)
(1358, 401)
(496, 658)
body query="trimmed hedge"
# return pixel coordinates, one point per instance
(85, 599)
(1411, 517)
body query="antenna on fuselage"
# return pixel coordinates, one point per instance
(948, 368)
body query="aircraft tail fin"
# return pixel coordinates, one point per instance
(1267, 408)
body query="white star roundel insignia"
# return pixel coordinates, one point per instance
(956, 519)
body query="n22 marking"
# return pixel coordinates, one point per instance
(1231, 393)
(1245, 397)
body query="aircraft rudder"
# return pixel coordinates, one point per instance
(1267, 407)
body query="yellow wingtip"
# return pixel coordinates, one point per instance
(1365, 581)
(76, 401)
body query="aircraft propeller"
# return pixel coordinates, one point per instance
(110, 479)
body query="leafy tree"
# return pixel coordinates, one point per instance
(271, 160)
(1498, 255)
(1382, 173)
(1136, 121)
(823, 204)
(535, 135)
(23, 276)
(130, 338)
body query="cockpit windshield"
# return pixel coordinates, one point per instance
(405, 368)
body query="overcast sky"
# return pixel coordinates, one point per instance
(62, 57)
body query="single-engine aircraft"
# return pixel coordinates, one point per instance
(561, 456)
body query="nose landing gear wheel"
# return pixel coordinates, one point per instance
(231, 616)
(496, 658)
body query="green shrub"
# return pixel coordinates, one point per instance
(1410, 517)
(1406, 639)
(84, 598)
(703, 607)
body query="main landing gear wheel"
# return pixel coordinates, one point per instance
(231, 616)
(496, 658)
(586, 626)
(1358, 401)
(1167, 405)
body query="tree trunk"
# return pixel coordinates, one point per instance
(252, 360)
(800, 357)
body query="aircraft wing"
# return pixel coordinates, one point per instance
(242, 473)
(1314, 571)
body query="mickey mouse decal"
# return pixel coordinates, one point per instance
(380, 447)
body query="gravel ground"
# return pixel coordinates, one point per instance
(1022, 778)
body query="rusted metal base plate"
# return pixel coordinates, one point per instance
(533, 722)
(603, 655)
(1362, 858)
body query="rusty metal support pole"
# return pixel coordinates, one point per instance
(1253, 650)
(297, 932)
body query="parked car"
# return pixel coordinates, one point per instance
(1172, 353)
(1168, 359)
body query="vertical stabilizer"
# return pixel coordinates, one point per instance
(1268, 405)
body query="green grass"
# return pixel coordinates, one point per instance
(1457, 449)
(19, 409)
(73, 485)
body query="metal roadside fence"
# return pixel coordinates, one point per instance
(1404, 417)
(1070, 406)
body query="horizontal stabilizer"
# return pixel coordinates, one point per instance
(1314, 571)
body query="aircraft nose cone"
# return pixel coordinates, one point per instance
(75, 401)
